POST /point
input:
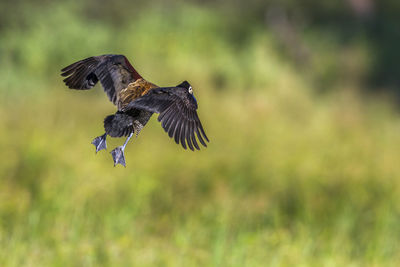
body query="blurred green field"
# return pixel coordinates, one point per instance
(291, 177)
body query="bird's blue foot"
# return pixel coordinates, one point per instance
(100, 142)
(118, 156)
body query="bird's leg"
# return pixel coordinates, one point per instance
(118, 153)
(138, 127)
(100, 142)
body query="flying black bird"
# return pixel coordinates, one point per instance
(136, 100)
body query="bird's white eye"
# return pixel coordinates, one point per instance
(190, 90)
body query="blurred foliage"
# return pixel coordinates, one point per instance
(291, 176)
(308, 33)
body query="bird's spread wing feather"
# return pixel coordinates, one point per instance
(113, 71)
(178, 116)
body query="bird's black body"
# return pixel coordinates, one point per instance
(118, 125)
(137, 99)
(124, 123)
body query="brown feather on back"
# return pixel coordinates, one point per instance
(133, 91)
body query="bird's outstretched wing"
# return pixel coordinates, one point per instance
(114, 72)
(178, 116)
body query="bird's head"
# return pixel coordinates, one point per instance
(187, 86)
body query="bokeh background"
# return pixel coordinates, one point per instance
(299, 100)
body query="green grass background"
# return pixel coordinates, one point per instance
(291, 177)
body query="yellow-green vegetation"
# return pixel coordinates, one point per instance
(290, 177)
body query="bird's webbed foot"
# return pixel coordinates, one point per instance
(118, 156)
(100, 142)
(118, 153)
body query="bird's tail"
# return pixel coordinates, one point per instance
(81, 74)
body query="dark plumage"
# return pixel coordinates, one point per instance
(137, 99)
